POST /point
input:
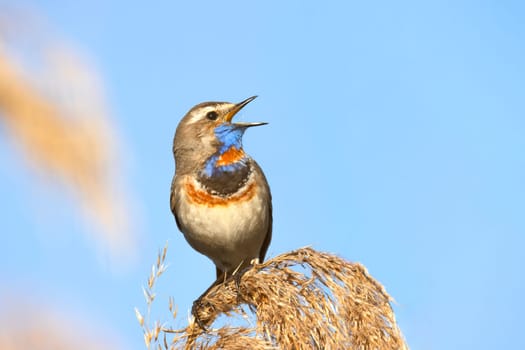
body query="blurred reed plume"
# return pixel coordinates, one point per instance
(53, 109)
(30, 326)
(303, 299)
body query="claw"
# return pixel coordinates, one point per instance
(197, 304)
(237, 280)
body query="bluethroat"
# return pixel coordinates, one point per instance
(219, 195)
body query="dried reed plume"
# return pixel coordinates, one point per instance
(29, 325)
(52, 106)
(303, 299)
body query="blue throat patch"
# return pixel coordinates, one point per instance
(229, 135)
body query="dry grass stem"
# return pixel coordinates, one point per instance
(27, 325)
(303, 299)
(57, 115)
(151, 332)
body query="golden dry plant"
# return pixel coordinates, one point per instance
(53, 109)
(28, 325)
(303, 299)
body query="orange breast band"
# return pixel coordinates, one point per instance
(204, 198)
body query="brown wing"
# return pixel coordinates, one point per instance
(268, 238)
(173, 199)
(263, 182)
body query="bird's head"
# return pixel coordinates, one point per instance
(206, 137)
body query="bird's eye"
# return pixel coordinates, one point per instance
(212, 115)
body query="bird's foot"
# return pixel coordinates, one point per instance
(237, 280)
(199, 305)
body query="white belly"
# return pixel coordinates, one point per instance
(230, 235)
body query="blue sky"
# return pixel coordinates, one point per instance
(395, 139)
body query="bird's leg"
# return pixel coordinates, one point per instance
(222, 277)
(237, 275)
(197, 304)
(253, 262)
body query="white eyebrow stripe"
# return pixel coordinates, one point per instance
(200, 114)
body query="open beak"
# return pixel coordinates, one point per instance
(236, 108)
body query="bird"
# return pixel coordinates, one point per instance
(219, 196)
